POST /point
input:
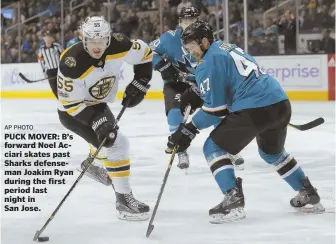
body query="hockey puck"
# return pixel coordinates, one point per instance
(43, 238)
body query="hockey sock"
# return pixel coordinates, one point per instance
(102, 153)
(286, 167)
(119, 172)
(174, 118)
(220, 165)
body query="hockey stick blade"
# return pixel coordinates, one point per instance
(164, 182)
(165, 178)
(149, 230)
(32, 81)
(308, 126)
(37, 234)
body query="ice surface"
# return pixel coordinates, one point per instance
(88, 215)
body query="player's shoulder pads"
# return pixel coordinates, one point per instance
(120, 45)
(75, 61)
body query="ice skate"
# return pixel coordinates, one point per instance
(237, 161)
(307, 200)
(231, 208)
(128, 208)
(183, 161)
(96, 172)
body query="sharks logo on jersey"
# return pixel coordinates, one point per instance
(184, 64)
(169, 44)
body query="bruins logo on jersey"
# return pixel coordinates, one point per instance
(119, 37)
(102, 88)
(70, 61)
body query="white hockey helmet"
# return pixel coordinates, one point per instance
(96, 35)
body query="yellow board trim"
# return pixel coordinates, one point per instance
(27, 94)
(308, 95)
(116, 164)
(158, 95)
(87, 72)
(120, 174)
(116, 56)
(151, 95)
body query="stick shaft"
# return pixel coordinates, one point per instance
(76, 182)
(33, 81)
(165, 178)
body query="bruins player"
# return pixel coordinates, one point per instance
(88, 78)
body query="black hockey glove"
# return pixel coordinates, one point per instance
(182, 138)
(168, 71)
(135, 92)
(191, 97)
(104, 127)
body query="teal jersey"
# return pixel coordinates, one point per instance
(230, 79)
(169, 45)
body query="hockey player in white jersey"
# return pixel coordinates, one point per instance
(88, 78)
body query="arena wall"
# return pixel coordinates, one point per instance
(304, 77)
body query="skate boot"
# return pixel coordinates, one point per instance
(128, 208)
(237, 161)
(96, 172)
(231, 208)
(183, 161)
(307, 200)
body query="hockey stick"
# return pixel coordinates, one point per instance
(39, 232)
(308, 126)
(165, 178)
(33, 81)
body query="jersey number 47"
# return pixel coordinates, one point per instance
(244, 66)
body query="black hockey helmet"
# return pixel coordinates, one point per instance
(197, 31)
(189, 12)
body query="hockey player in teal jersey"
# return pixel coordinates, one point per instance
(177, 69)
(231, 83)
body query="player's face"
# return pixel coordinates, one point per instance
(48, 40)
(194, 49)
(96, 47)
(185, 22)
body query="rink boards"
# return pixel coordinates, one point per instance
(304, 77)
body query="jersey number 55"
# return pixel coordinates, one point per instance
(64, 84)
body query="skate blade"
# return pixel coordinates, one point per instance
(106, 182)
(313, 208)
(186, 170)
(234, 215)
(239, 167)
(184, 167)
(122, 215)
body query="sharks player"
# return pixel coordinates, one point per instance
(177, 68)
(88, 78)
(259, 108)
